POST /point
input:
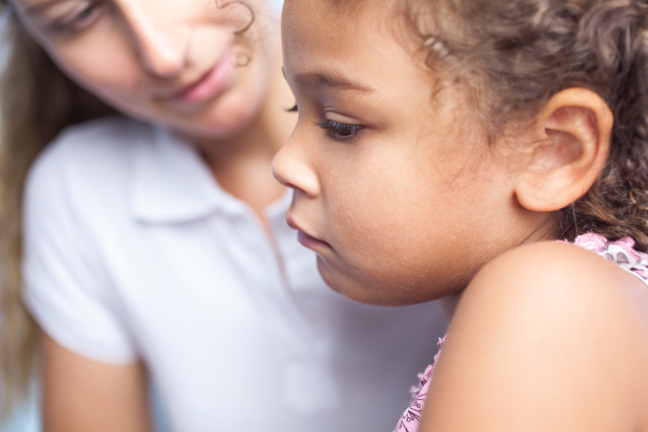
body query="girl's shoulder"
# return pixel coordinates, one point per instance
(551, 329)
(559, 286)
(580, 274)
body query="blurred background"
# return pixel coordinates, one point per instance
(26, 418)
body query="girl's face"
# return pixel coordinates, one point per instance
(398, 194)
(170, 61)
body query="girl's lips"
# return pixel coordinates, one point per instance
(305, 239)
(311, 242)
(210, 84)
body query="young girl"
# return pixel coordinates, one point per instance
(444, 149)
(155, 244)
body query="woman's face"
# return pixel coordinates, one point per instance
(174, 62)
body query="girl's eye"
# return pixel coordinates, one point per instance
(81, 18)
(340, 131)
(293, 109)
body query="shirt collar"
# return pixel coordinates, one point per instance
(172, 184)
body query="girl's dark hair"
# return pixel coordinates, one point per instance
(516, 54)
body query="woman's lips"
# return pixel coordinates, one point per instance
(210, 84)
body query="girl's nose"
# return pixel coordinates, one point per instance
(159, 39)
(291, 168)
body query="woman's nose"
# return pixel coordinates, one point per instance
(291, 168)
(159, 39)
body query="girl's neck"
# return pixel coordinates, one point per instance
(547, 229)
(449, 304)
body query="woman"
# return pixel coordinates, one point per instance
(155, 245)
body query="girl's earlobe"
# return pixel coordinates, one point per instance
(572, 140)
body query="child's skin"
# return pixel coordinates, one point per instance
(405, 202)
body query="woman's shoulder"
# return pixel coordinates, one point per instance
(105, 136)
(86, 165)
(86, 152)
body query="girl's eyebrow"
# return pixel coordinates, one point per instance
(316, 80)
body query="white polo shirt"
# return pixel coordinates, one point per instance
(132, 251)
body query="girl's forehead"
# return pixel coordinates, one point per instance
(363, 24)
(342, 10)
(328, 55)
(315, 32)
(336, 19)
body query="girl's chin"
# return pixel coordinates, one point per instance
(371, 291)
(362, 292)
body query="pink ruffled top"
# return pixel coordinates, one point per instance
(620, 252)
(411, 418)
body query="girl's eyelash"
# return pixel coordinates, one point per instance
(293, 109)
(83, 19)
(340, 131)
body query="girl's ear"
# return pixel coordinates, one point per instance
(571, 143)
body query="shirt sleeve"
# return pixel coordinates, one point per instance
(65, 285)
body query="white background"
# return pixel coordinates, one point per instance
(26, 419)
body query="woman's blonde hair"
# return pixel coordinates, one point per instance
(36, 102)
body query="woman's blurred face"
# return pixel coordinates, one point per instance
(175, 62)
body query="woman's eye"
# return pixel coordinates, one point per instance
(80, 19)
(340, 131)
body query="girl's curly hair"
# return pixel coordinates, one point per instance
(517, 54)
